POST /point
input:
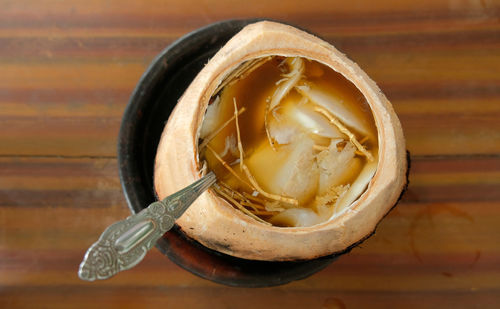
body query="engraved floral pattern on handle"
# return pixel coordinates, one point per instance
(103, 259)
(125, 243)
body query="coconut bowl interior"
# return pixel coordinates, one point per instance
(149, 107)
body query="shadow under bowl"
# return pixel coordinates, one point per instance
(149, 107)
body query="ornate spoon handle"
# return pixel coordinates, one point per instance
(125, 243)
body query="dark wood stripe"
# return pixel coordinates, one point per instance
(440, 90)
(395, 92)
(400, 42)
(81, 198)
(455, 164)
(453, 193)
(75, 182)
(40, 47)
(327, 18)
(164, 295)
(366, 257)
(447, 121)
(72, 48)
(91, 136)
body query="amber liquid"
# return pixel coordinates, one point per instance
(253, 92)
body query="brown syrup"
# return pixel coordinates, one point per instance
(253, 92)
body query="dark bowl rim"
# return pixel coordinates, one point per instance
(153, 71)
(147, 83)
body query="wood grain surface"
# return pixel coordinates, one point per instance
(67, 69)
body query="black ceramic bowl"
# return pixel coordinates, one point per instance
(149, 107)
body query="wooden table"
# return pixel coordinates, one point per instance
(67, 69)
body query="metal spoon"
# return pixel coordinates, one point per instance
(125, 243)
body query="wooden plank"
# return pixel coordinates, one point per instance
(85, 120)
(67, 71)
(88, 65)
(62, 227)
(57, 182)
(76, 46)
(134, 13)
(387, 67)
(160, 296)
(447, 244)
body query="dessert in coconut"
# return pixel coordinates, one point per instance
(309, 154)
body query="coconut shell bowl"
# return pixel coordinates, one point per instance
(248, 230)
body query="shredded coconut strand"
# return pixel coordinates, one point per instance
(238, 205)
(249, 175)
(346, 131)
(216, 132)
(228, 167)
(241, 72)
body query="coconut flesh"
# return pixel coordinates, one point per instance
(292, 142)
